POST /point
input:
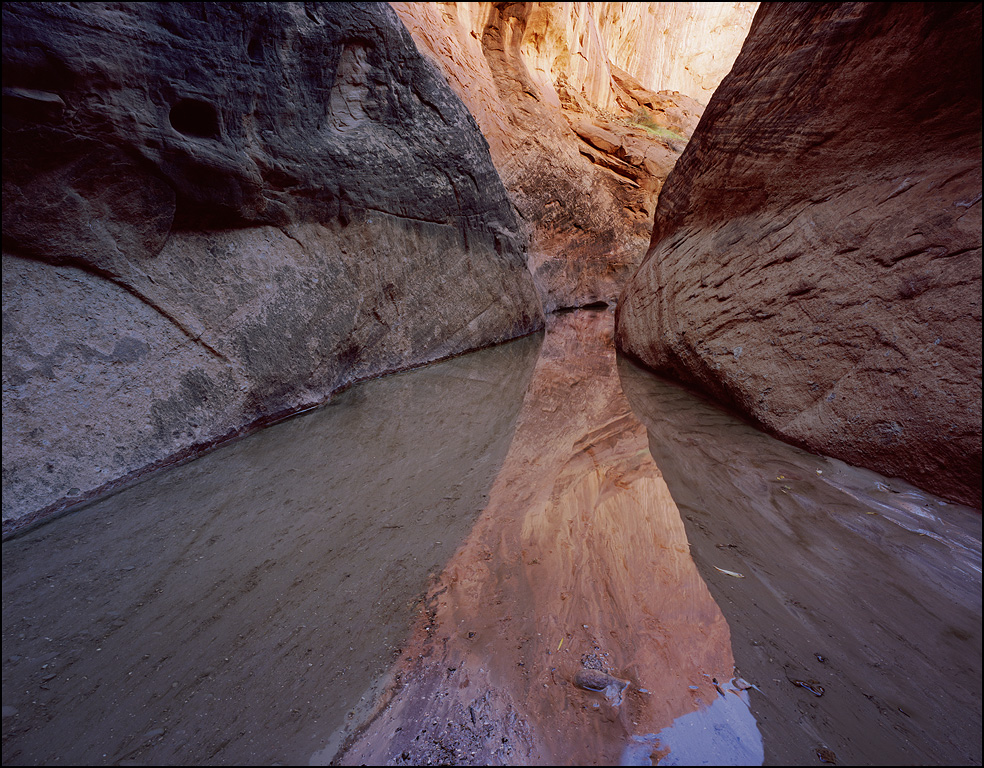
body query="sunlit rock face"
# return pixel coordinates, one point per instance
(217, 214)
(686, 47)
(579, 104)
(816, 256)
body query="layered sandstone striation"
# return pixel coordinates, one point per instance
(218, 214)
(583, 123)
(816, 257)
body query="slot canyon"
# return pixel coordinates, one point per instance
(492, 383)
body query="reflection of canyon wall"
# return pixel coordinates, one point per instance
(579, 559)
(816, 258)
(213, 214)
(566, 94)
(866, 586)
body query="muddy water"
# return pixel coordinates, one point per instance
(580, 560)
(748, 601)
(525, 555)
(239, 609)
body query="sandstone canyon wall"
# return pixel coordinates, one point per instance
(217, 214)
(686, 47)
(575, 103)
(816, 255)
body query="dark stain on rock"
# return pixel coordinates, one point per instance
(22, 362)
(129, 350)
(173, 416)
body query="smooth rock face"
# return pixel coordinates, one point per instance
(581, 143)
(686, 47)
(816, 255)
(217, 214)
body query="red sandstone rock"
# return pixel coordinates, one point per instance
(564, 94)
(816, 255)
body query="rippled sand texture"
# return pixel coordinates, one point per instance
(236, 610)
(579, 559)
(859, 588)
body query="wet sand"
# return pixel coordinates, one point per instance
(443, 567)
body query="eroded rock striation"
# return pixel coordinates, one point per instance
(216, 214)
(816, 255)
(582, 122)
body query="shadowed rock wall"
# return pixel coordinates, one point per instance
(816, 255)
(216, 214)
(582, 144)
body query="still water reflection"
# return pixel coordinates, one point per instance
(579, 561)
(480, 562)
(858, 616)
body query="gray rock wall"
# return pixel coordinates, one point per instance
(216, 214)
(816, 254)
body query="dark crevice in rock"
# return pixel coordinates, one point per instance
(195, 118)
(593, 305)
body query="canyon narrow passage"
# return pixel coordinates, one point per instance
(492, 383)
(534, 553)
